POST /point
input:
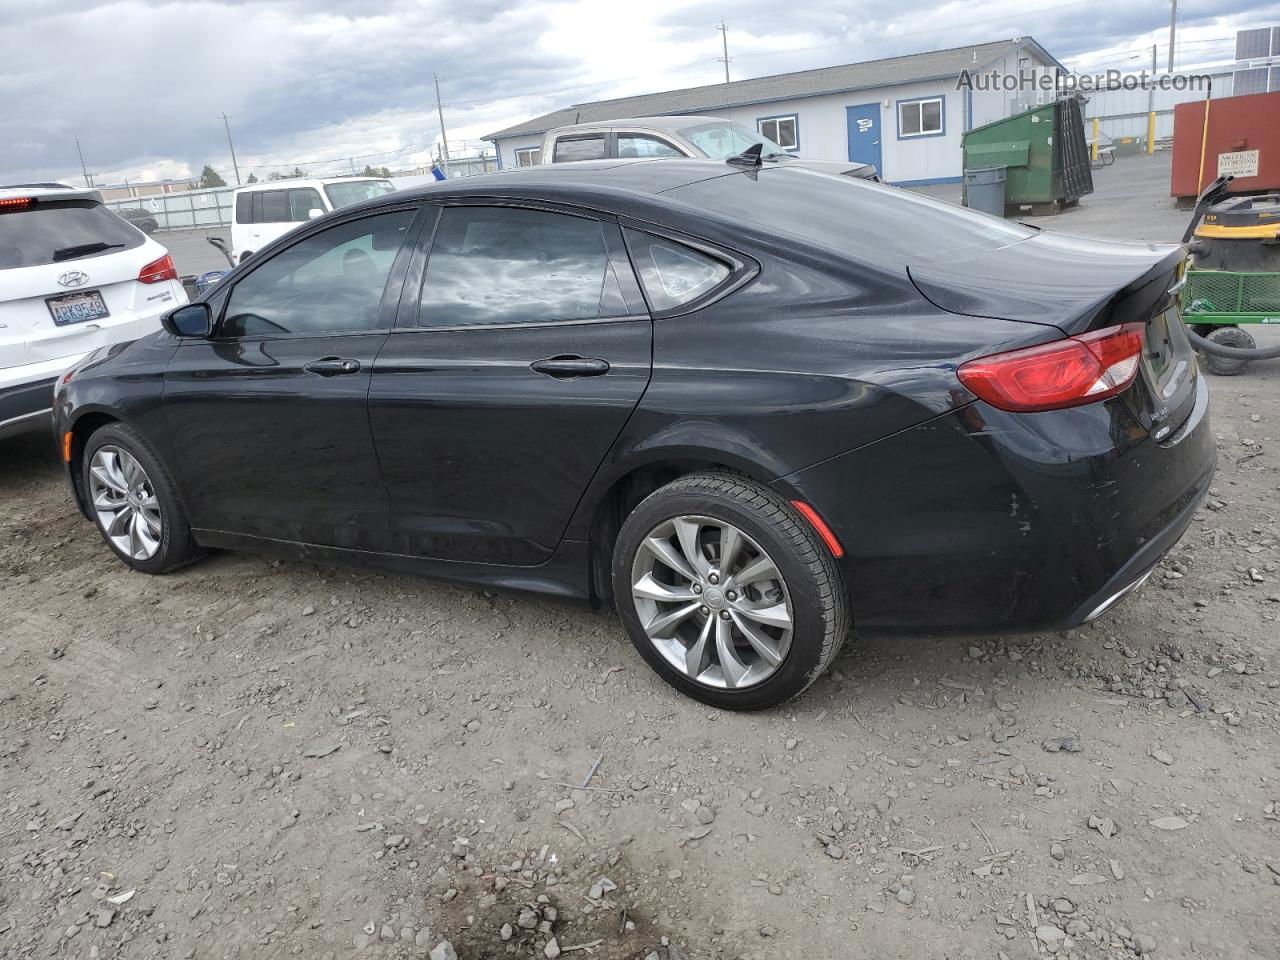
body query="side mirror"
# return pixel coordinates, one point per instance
(191, 320)
(314, 212)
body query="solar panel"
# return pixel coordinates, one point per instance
(1253, 44)
(1249, 81)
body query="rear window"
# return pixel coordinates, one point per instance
(342, 194)
(62, 231)
(872, 221)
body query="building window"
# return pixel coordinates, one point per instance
(784, 131)
(920, 118)
(528, 156)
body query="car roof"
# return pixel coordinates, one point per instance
(656, 123)
(639, 176)
(49, 191)
(288, 182)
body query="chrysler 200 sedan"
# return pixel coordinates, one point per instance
(751, 408)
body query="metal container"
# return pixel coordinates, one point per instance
(1044, 151)
(1243, 139)
(984, 190)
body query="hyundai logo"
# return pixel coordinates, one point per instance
(73, 278)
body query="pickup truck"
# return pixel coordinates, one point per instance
(659, 137)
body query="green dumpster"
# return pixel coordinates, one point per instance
(1044, 151)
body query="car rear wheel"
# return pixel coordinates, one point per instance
(727, 592)
(133, 502)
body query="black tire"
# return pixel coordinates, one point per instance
(148, 227)
(177, 547)
(1228, 337)
(819, 601)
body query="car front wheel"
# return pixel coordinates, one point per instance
(728, 593)
(133, 502)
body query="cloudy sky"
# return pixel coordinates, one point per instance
(314, 82)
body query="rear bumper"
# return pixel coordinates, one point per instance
(26, 407)
(985, 521)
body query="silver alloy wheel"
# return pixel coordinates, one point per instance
(125, 502)
(712, 602)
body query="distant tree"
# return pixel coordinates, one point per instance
(210, 177)
(253, 178)
(297, 172)
(376, 171)
(275, 175)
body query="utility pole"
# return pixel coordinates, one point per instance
(444, 138)
(1173, 27)
(88, 181)
(724, 37)
(227, 125)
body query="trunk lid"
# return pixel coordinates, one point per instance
(1078, 285)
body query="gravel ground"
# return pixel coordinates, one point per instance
(254, 758)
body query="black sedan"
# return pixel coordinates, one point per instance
(750, 408)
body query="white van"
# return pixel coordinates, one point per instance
(268, 210)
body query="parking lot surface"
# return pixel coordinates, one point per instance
(255, 758)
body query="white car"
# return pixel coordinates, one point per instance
(73, 277)
(264, 211)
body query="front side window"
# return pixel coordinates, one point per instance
(528, 156)
(331, 282)
(672, 274)
(644, 145)
(504, 265)
(781, 130)
(353, 191)
(580, 148)
(302, 200)
(920, 118)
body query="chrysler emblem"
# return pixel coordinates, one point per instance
(73, 278)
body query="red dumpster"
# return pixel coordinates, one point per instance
(1243, 139)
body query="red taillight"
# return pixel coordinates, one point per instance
(1065, 373)
(159, 270)
(16, 203)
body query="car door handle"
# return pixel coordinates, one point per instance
(568, 367)
(333, 366)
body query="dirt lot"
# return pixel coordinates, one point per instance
(258, 759)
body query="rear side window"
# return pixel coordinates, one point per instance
(61, 231)
(275, 206)
(244, 208)
(492, 265)
(672, 274)
(579, 148)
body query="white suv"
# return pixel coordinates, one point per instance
(265, 211)
(73, 277)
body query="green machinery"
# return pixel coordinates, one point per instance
(1233, 275)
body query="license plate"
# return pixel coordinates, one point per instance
(71, 308)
